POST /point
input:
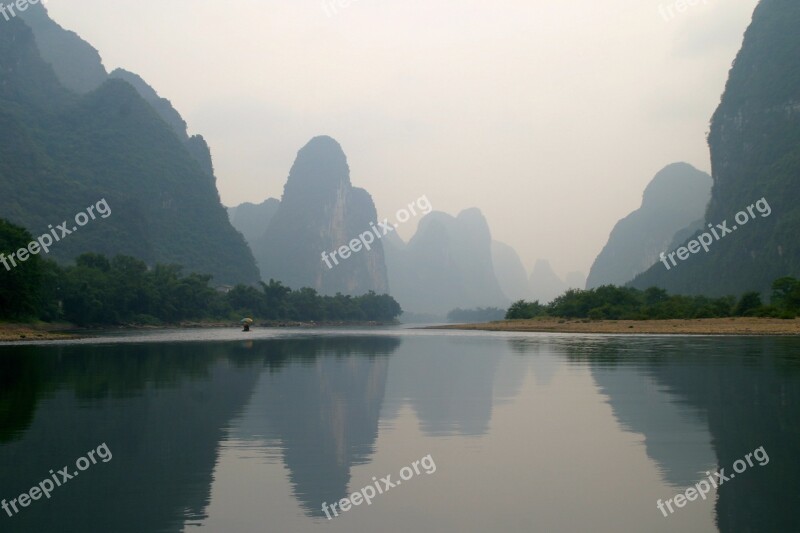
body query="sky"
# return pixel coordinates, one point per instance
(551, 116)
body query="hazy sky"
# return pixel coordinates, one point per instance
(551, 116)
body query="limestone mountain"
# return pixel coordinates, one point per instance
(510, 272)
(575, 280)
(61, 152)
(447, 264)
(251, 220)
(80, 69)
(320, 211)
(755, 153)
(195, 144)
(675, 197)
(75, 62)
(545, 283)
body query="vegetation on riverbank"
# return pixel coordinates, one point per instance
(97, 291)
(698, 326)
(626, 303)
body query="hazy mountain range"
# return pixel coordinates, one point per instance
(451, 262)
(73, 134)
(677, 195)
(446, 264)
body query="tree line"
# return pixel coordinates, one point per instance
(625, 303)
(96, 290)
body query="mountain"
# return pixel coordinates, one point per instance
(676, 196)
(80, 69)
(75, 62)
(755, 158)
(62, 152)
(320, 212)
(545, 283)
(575, 280)
(195, 144)
(447, 264)
(510, 272)
(251, 220)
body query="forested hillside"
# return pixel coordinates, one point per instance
(61, 152)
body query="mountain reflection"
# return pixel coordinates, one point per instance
(164, 409)
(161, 410)
(710, 388)
(451, 384)
(320, 404)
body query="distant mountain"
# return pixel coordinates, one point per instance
(75, 62)
(676, 196)
(510, 272)
(545, 283)
(321, 211)
(61, 152)
(755, 154)
(251, 220)
(575, 280)
(446, 265)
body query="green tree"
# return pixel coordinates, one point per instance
(786, 294)
(275, 299)
(522, 309)
(20, 286)
(748, 304)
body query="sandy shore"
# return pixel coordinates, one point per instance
(704, 326)
(33, 332)
(55, 332)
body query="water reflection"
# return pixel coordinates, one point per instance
(320, 405)
(162, 411)
(196, 429)
(750, 397)
(702, 404)
(450, 383)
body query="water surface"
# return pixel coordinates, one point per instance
(212, 431)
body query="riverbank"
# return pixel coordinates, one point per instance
(13, 332)
(262, 324)
(35, 332)
(699, 326)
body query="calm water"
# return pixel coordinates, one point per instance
(525, 433)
